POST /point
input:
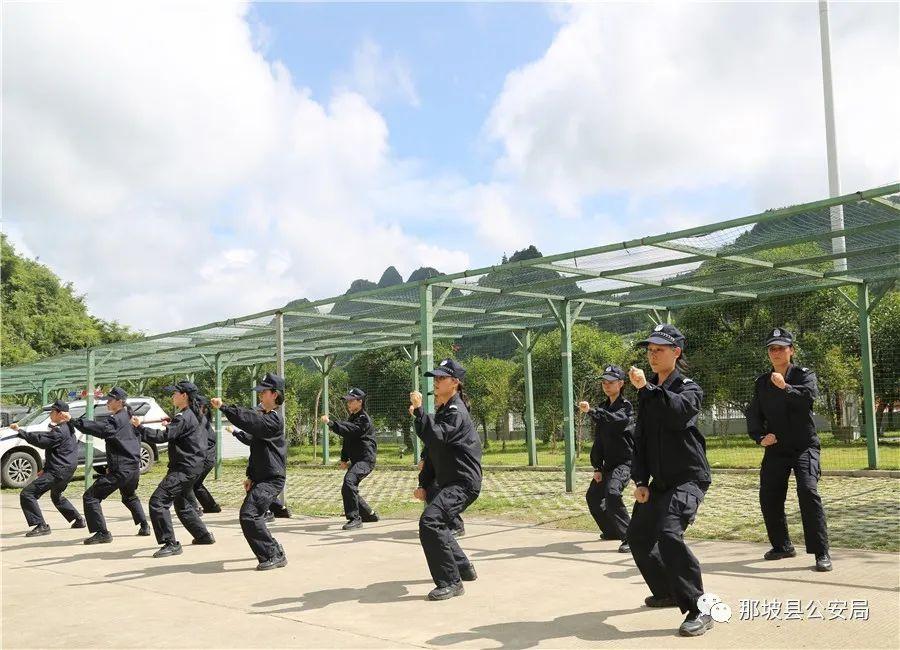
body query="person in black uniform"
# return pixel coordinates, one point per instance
(187, 450)
(428, 488)
(669, 448)
(263, 431)
(611, 456)
(357, 456)
(123, 466)
(780, 418)
(454, 450)
(200, 497)
(60, 461)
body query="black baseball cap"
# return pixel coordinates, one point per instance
(116, 393)
(58, 405)
(354, 393)
(448, 368)
(664, 334)
(270, 382)
(182, 387)
(613, 373)
(780, 336)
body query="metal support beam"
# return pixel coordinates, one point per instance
(327, 363)
(426, 345)
(89, 415)
(417, 371)
(219, 369)
(868, 380)
(568, 391)
(279, 368)
(527, 346)
(45, 389)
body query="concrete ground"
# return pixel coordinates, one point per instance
(537, 587)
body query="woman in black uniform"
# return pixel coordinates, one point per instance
(670, 449)
(187, 449)
(60, 461)
(263, 430)
(123, 466)
(780, 418)
(357, 457)
(201, 497)
(611, 457)
(454, 450)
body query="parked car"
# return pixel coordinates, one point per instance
(20, 462)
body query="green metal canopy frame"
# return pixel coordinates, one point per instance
(736, 260)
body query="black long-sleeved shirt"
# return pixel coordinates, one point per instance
(263, 431)
(668, 445)
(61, 448)
(453, 446)
(358, 437)
(123, 446)
(613, 434)
(187, 442)
(787, 412)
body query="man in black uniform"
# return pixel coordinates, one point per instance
(60, 461)
(187, 449)
(123, 466)
(780, 418)
(611, 456)
(428, 489)
(454, 450)
(263, 431)
(669, 448)
(357, 456)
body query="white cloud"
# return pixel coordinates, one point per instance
(655, 98)
(380, 78)
(179, 165)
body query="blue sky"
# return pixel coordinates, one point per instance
(320, 143)
(458, 56)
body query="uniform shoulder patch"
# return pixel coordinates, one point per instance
(687, 380)
(453, 407)
(805, 369)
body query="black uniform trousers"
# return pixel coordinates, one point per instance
(30, 494)
(604, 500)
(173, 489)
(773, 484)
(431, 492)
(656, 537)
(201, 496)
(442, 551)
(253, 518)
(353, 502)
(126, 483)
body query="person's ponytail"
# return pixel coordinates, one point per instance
(460, 390)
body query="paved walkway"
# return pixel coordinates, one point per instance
(537, 587)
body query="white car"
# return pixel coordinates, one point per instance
(20, 462)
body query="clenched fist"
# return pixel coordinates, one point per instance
(636, 375)
(216, 402)
(642, 494)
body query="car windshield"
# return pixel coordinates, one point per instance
(100, 410)
(33, 418)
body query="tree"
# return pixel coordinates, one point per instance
(43, 316)
(488, 384)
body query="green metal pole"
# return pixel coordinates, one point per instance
(426, 345)
(416, 373)
(44, 392)
(529, 401)
(868, 381)
(568, 403)
(326, 452)
(253, 395)
(219, 369)
(89, 414)
(279, 366)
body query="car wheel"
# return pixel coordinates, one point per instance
(146, 457)
(18, 469)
